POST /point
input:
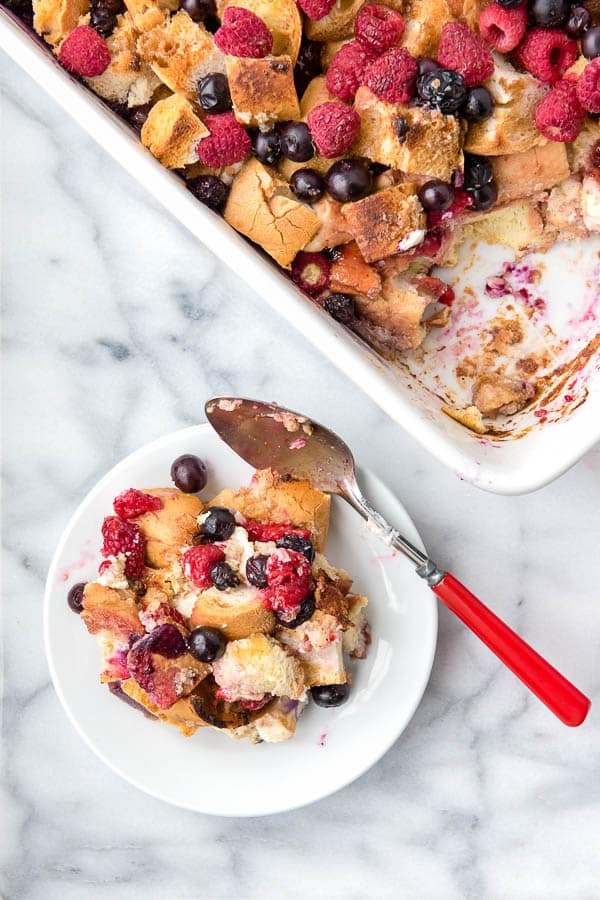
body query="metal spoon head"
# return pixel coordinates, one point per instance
(268, 436)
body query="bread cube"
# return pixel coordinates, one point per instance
(54, 19)
(523, 174)
(430, 146)
(181, 52)
(386, 222)
(172, 131)
(262, 90)
(110, 609)
(398, 309)
(518, 225)
(333, 228)
(511, 127)
(258, 665)
(262, 207)
(564, 214)
(127, 79)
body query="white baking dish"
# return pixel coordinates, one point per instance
(411, 394)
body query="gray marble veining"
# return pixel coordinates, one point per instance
(117, 325)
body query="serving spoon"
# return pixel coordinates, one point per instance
(270, 437)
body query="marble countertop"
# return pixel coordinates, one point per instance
(117, 326)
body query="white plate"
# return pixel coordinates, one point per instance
(210, 772)
(414, 398)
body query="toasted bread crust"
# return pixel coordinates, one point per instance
(172, 131)
(431, 146)
(279, 223)
(262, 90)
(382, 222)
(237, 620)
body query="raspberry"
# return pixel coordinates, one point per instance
(546, 53)
(501, 28)
(271, 531)
(559, 116)
(132, 503)
(379, 28)
(310, 271)
(242, 33)
(127, 538)
(198, 561)
(393, 76)
(226, 144)
(316, 9)
(462, 201)
(84, 52)
(463, 51)
(588, 86)
(288, 580)
(333, 127)
(347, 70)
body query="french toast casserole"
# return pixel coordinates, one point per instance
(225, 615)
(360, 145)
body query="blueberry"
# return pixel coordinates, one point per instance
(299, 544)
(349, 180)
(443, 89)
(308, 65)
(198, 10)
(425, 64)
(267, 147)
(402, 128)
(307, 608)
(484, 197)
(296, 142)
(75, 597)
(590, 43)
(479, 104)
(330, 694)
(549, 13)
(188, 473)
(436, 195)
(210, 190)
(478, 171)
(256, 570)
(579, 21)
(219, 524)
(307, 185)
(138, 115)
(341, 307)
(103, 16)
(511, 4)
(213, 93)
(223, 576)
(206, 644)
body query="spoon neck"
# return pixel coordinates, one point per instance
(379, 526)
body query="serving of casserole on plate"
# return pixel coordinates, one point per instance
(425, 179)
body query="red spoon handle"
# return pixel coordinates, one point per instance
(552, 688)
